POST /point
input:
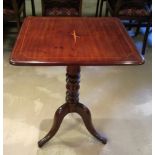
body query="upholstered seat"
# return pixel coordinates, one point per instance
(61, 12)
(61, 7)
(133, 12)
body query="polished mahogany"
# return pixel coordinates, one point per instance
(50, 41)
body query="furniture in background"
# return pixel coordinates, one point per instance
(137, 12)
(73, 42)
(33, 8)
(12, 11)
(99, 6)
(61, 7)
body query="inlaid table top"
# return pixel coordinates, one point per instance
(74, 41)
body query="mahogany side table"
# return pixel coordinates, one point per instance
(73, 42)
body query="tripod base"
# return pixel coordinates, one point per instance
(62, 111)
(72, 105)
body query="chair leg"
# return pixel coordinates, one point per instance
(130, 22)
(101, 7)
(97, 6)
(33, 8)
(145, 39)
(137, 29)
(43, 7)
(106, 11)
(18, 22)
(24, 11)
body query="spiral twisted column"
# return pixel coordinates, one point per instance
(72, 84)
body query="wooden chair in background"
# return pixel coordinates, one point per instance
(12, 11)
(137, 12)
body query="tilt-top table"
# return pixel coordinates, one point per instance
(73, 42)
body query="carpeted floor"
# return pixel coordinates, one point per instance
(119, 98)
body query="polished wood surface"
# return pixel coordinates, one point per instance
(96, 41)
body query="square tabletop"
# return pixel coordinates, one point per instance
(74, 41)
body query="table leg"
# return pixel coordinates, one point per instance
(72, 105)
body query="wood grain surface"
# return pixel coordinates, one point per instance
(50, 41)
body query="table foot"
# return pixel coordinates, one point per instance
(58, 117)
(62, 111)
(84, 112)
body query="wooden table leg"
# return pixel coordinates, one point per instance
(72, 105)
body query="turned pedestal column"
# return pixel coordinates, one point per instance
(72, 105)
